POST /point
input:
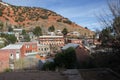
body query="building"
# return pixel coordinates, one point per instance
(75, 33)
(52, 41)
(29, 48)
(18, 33)
(4, 60)
(59, 32)
(75, 41)
(22, 49)
(14, 50)
(32, 36)
(43, 50)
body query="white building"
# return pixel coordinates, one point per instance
(43, 50)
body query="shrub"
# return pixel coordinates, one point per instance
(8, 70)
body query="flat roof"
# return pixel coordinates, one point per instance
(70, 45)
(13, 46)
(50, 36)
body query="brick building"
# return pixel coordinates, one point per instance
(29, 48)
(75, 41)
(52, 41)
(13, 52)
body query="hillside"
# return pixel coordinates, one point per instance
(30, 17)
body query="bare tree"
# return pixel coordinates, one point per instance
(112, 19)
(110, 35)
(114, 6)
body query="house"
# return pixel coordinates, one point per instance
(59, 32)
(14, 49)
(22, 49)
(75, 33)
(51, 33)
(13, 52)
(17, 33)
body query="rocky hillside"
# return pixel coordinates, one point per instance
(30, 17)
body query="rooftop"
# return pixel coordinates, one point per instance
(70, 45)
(44, 36)
(13, 46)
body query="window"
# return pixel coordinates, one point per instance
(27, 46)
(33, 46)
(41, 49)
(11, 56)
(45, 49)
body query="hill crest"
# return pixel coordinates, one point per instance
(30, 17)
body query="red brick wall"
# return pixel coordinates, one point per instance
(76, 41)
(4, 60)
(32, 47)
(81, 53)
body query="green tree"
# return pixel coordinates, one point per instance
(10, 39)
(23, 32)
(65, 31)
(26, 38)
(67, 59)
(106, 35)
(37, 31)
(51, 29)
(10, 29)
(49, 66)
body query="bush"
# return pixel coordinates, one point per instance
(67, 21)
(44, 17)
(8, 70)
(67, 59)
(49, 66)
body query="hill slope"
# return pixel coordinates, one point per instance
(30, 17)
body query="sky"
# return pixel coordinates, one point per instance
(82, 12)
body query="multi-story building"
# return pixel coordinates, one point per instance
(21, 50)
(13, 52)
(52, 41)
(29, 48)
(43, 50)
